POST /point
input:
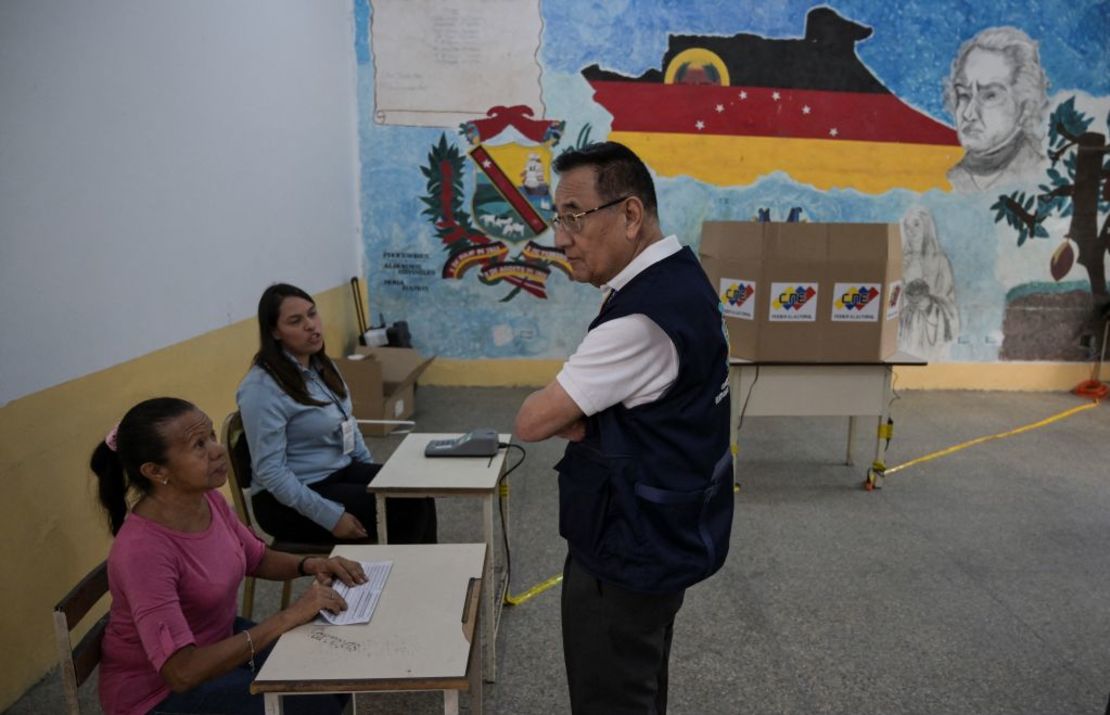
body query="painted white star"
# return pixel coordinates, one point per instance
(720, 108)
(699, 125)
(743, 95)
(776, 96)
(833, 132)
(487, 164)
(806, 109)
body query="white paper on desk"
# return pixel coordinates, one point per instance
(362, 599)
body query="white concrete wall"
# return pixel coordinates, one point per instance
(161, 162)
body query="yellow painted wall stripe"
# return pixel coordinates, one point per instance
(51, 528)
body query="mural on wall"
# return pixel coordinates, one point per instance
(792, 216)
(997, 94)
(511, 203)
(808, 107)
(1076, 185)
(986, 146)
(930, 319)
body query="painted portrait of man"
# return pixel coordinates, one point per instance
(997, 94)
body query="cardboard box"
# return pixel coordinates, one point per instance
(383, 384)
(806, 292)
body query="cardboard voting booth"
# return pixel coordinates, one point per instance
(383, 384)
(806, 292)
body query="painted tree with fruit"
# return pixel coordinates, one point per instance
(1081, 190)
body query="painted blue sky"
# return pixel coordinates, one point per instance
(911, 49)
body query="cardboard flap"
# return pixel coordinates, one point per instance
(864, 245)
(738, 240)
(400, 366)
(364, 380)
(804, 244)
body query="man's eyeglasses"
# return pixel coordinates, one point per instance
(572, 223)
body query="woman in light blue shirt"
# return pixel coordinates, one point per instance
(310, 463)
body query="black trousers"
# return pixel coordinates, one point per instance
(616, 645)
(409, 521)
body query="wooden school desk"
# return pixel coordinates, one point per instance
(797, 389)
(408, 473)
(422, 635)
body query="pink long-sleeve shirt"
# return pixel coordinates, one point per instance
(169, 589)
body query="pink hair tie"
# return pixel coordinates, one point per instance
(110, 439)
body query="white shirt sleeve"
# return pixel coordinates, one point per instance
(628, 360)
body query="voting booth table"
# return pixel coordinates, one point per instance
(782, 389)
(812, 312)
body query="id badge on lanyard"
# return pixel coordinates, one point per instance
(349, 426)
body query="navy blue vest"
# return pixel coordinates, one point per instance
(645, 500)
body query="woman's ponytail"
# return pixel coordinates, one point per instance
(118, 459)
(113, 487)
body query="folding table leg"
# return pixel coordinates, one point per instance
(489, 628)
(476, 692)
(272, 703)
(851, 435)
(878, 466)
(383, 536)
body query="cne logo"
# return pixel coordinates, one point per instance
(857, 298)
(737, 297)
(794, 298)
(737, 294)
(857, 302)
(892, 308)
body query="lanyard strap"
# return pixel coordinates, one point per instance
(331, 395)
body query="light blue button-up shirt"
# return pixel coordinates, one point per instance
(294, 445)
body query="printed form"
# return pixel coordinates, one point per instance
(362, 599)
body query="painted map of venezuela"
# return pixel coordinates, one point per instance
(727, 110)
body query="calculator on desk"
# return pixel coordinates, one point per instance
(477, 443)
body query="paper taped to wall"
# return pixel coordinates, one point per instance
(427, 54)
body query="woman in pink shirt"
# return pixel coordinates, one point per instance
(173, 642)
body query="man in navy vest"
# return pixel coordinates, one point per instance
(645, 497)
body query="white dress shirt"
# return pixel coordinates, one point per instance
(628, 360)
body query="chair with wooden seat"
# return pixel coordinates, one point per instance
(239, 477)
(77, 664)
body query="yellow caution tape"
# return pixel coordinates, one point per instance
(531, 593)
(503, 490)
(735, 451)
(980, 440)
(886, 431)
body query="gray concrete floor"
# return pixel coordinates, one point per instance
(976, 583)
